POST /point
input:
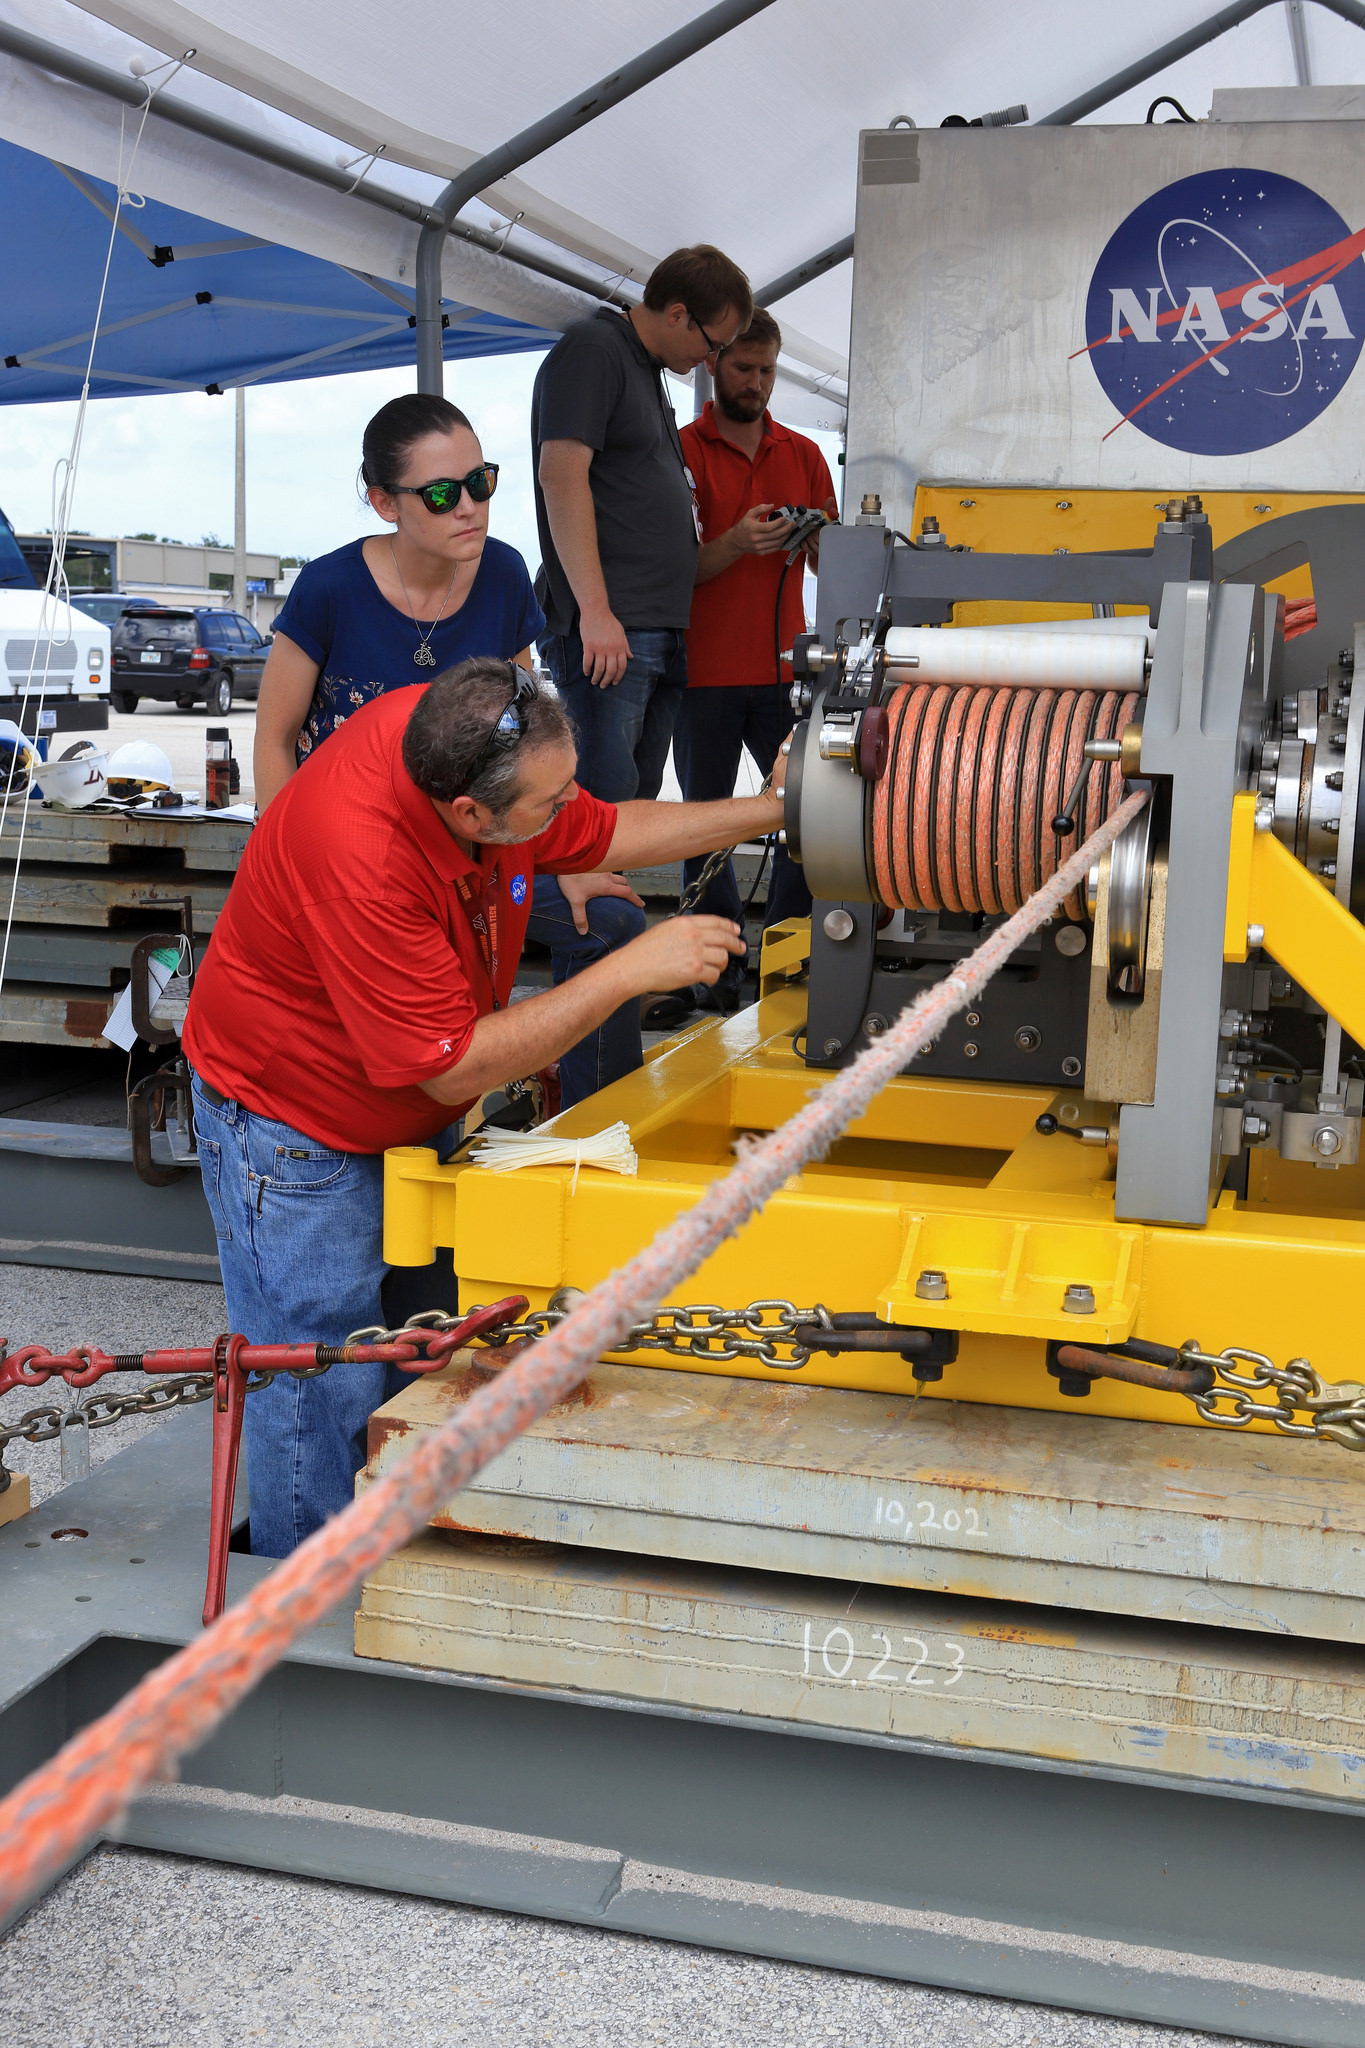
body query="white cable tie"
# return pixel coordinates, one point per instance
(506, 1151)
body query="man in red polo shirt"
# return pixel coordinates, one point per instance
(356, 995)
(746, 466)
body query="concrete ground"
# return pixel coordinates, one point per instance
(137, 1950)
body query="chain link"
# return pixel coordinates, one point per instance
(1337, 1408)
(694, 1329)
(42, 1425)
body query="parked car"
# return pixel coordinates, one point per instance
(109, 610)
(199, 656)
(53, 652)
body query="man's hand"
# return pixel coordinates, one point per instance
(682, 950)
(579, 890)
(606, 649)
(758, 534)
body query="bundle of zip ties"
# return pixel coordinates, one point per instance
(505, 1151)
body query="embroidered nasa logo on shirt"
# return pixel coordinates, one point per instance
(517, 889)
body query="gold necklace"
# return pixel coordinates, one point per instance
(424, 656)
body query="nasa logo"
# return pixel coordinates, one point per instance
(517, 889)
(1226, 312)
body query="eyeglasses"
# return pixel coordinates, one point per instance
(443, 495)
(714, 348)
(510, 728)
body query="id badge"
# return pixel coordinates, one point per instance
(696, 512)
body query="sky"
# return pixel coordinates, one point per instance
(164, 464)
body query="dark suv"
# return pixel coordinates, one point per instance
(194, 657)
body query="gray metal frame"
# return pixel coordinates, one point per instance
(576, 113)
(1120, 1893)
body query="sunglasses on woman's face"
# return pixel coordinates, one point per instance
(444, 494)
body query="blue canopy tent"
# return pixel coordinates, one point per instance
(191, 306)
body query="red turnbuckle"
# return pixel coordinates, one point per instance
(234, 1361)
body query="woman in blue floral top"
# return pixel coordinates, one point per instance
(397, 608)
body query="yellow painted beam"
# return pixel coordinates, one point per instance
(1312, 936)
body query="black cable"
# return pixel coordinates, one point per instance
(1166, 100)
(1275, 1052)
(767, 849)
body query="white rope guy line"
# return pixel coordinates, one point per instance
(56, 588)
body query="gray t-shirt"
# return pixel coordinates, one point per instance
(599, 384)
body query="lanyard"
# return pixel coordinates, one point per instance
(483, 916)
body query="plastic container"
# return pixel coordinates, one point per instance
(217, 768)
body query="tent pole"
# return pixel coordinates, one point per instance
(239, 510)
(1206, 31)
(816, 266)
(542, 135)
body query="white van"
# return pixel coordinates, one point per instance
(62, 654)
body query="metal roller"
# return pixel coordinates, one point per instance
(998, 656)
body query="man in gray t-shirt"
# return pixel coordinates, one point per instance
(614, 505)
(619, 542)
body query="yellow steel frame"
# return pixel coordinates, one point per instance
(947, 1174)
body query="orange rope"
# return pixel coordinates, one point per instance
(66, 1803)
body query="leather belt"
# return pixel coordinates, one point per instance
(210, 1093)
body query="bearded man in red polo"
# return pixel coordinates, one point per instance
(356, 995)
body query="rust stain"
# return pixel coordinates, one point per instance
(85, 1019)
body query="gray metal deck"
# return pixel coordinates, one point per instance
(1118, 1889)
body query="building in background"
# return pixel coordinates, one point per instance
(169, 572)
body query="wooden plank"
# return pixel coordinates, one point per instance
(34, 1014)
(69, 955)
(52, 893)
(14, 1501)
(101, 837)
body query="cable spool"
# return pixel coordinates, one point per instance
(962, 819)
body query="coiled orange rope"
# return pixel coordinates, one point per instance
(64, 1805)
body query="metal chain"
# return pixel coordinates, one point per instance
(1337, 1408)
(694, 1329)
(714, 864)
(42, 1425)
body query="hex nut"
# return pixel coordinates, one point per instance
(1070, 940)
(874, 1024)
(973, 1018)
(970, 1049)
(1327, 1141)
(1028, 1038)
(932, 1284)
(1079, 1299)
(832, 1046)
(1071, 1066)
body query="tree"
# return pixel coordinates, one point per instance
(139, 536)
(209, 540)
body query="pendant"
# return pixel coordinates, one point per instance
(424, 657)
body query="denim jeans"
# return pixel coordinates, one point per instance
(623, 731)
(614, 1048)
(714, 727)
(300, 1243)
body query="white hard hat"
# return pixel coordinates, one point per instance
(80, 778)
(141, 761)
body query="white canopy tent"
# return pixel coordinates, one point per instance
(751, 142)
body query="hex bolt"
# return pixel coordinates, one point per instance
(839, 924)
(1255, 936)
(970, 1049)
(1028, 1038)
(1327, 869)
(932, 1284)
(930, 1045)
(1071, 1066)
(972, 1019)
(1335, 780)
(1265, 814)
(1070, 941)
(1327, 1141)
(1079, 1299)
(874, 1024)
(833, 1046)
(1254, 1127)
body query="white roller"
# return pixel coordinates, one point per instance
(998, 654)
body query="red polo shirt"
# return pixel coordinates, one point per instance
(345, 968)
(730, 638)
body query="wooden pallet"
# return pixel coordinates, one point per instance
(90, 885)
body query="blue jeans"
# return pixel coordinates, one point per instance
(614, 1048)
(623, 731)
(714, 728)
(300, 1243)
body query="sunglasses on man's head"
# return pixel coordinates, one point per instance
(510, 726)
(443, 495)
